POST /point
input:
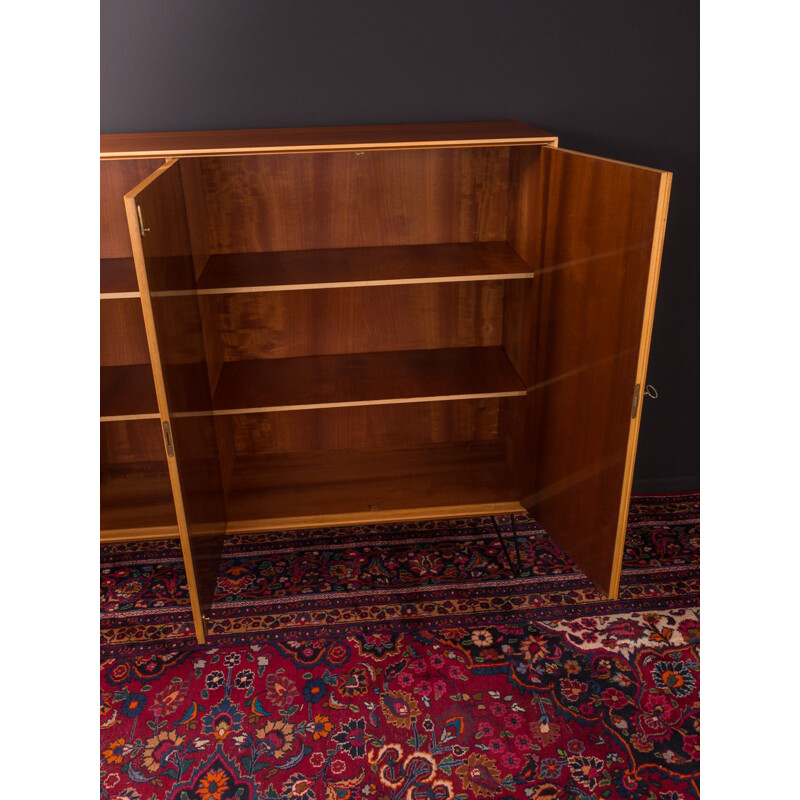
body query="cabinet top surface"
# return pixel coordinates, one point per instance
(204, 143)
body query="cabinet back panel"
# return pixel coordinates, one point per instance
(131, 441)
(117, 178)
(321, 200)
(378, 318)
(385, 426)
(122, 336)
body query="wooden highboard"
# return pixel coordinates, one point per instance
(330, 326)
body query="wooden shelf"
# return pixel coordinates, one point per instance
(118, 278)
(127, 393)
(365, 379)
(361, 266)
(136, 501)
(349, 486)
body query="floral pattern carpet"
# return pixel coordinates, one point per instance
(406, 662)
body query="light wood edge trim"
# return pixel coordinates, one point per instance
(119, 295)
(330, 148)
(161, 394)
(609, 160)
(226, 412)
(641, 376)
(139, 534)
(128, 417)
(360, 518)
(290, 287)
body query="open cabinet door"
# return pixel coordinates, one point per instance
(603, 231)
(162, 252)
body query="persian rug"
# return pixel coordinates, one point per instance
(406, 662)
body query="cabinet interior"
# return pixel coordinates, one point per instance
(363, 320)
(367, 322)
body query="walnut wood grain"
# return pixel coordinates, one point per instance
(283, 491)
(365, 379)
(136, 496)
(361, 266)
(116, 178)
(195, 143)
(604, 225)
(356, 320)
(373, 199)
(404, 425)
(127, 391)
(118, 276)
(126, 441)
(123, 339)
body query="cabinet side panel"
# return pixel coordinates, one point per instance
(330, 200)
(520, 304)
(603, 233)
(524, 214)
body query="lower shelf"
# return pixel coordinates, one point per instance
(348, 487)
(136, 502)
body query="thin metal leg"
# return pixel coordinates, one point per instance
(516, 544)
(515, 568)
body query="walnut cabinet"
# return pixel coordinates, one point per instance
(330, 326)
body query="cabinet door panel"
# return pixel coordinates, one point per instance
(602, 237)
(164, 267)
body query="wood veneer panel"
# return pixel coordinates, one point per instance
(286, 139)
(127, 391)
(197, 220)
(116, 178)
(136, 496)
(126, 441)
(525, 237)
(370, 199)
(520, 307)
(525, 204)
(334, 487)
(406, 425)
(331, 321)
(164, 261)
(196, 212)
(361, 266)
(604, 227)
(118, 276)
(122, 334)
(365, 378)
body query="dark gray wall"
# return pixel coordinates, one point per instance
(618, 79)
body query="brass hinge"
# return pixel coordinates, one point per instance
(168, 439)
(142, 228)
(636, 394)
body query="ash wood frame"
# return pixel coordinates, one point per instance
(523, 414)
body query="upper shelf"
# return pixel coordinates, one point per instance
(365, 379)
(361, 266)
(118, 278)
